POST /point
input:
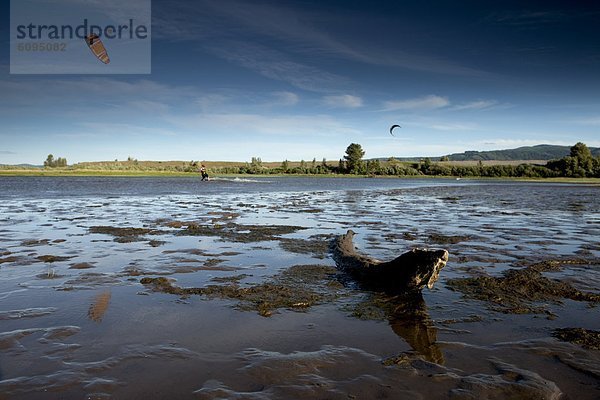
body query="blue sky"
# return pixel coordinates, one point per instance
(298, 80)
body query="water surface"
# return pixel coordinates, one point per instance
(75, 320)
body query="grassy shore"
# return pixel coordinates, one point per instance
(90, 172)
(151, 173)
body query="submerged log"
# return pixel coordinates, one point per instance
(412, 270)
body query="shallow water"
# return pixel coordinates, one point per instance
(75, 321)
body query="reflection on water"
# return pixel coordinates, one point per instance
(410, 320)
(60, 277)
(99, 306)
(408, 317)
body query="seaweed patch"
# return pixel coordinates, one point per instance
(125, 235)
(239, 233)
(517, 290)
(586, 338)
(298, 288)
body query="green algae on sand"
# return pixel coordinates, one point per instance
(586, 338)
(518, 290)
(297, 288)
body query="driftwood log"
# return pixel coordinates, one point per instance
(410, 271)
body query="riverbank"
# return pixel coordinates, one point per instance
(56, 172)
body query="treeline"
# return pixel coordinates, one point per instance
(132, 164)
(256, 166)
(393, 167)
(579, 164)
(54, 163)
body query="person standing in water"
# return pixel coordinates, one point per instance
(203, 173)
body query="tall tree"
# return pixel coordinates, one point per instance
(584, 159)
(49, 161)
(52, 162)
(354, 155)
(581, 151)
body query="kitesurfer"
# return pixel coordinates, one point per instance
(203, 173)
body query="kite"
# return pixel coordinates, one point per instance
(97, 47)
(392, 128)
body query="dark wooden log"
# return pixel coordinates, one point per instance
(412, 270)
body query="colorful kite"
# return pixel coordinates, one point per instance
(97, 47)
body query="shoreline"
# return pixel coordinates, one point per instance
(173, 174)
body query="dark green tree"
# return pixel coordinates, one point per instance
(425, 165)
(302, 166)
(49, 161)
(579, 163)
(255, 165)
(581, 151)
(353, 157)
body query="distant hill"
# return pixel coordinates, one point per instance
(24, 166)
(538, 152)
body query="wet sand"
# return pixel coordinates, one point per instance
(236, 296)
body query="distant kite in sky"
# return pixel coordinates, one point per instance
(392, 128)
(97, 47)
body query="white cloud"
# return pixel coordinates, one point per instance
(98, 129)
(257, 124)
(55, 91)
(422, 103)
(528, 18)
(343, 101)
(499, 144)
(475, 105)
(151, 107)
(278, 66)
(285, 98)
(210, 100)
(452, 127)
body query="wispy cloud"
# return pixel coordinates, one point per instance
(502, 143)
(100, 129)
(274, 64)
(229, 100)
(476, 105)
(421, 103)
(301, 30)
(88, 90)
(528, 18)
(82, 135)
(594, 121)
(285, 98)
(148, 106)
(343, 101)
(210, 100)
(452, 127)
(7, 152)
(244, 124)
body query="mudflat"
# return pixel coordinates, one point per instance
(168, 287)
